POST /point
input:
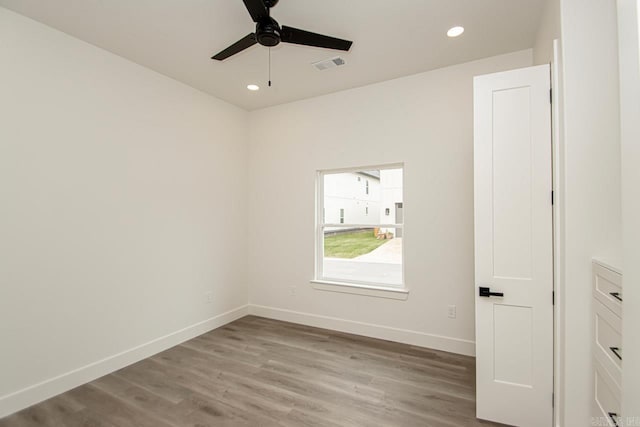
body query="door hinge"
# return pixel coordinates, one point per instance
(553, 400)
(550, 96)
(553, 297)
(552, 197)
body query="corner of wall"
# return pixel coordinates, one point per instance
(548, 31)
(36, 393)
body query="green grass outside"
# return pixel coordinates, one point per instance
(351, 245)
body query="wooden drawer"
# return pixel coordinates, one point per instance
(607, 286)
(608, 340)
(606, 400)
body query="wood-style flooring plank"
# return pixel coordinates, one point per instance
(267, 373)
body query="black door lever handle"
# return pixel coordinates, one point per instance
(486, 292)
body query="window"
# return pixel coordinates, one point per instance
(356, 246)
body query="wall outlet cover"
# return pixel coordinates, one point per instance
(451, 311)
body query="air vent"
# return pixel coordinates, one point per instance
(328, 63)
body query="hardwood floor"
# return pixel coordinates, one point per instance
(261, 372)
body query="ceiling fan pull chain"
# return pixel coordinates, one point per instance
(269, 67)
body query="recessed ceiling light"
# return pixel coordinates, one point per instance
(455, 31)
(253, 87)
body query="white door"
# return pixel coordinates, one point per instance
(399, 218)
(513, 247)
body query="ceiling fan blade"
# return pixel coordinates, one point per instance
(257, 9)
(307, 38)
(238, 46)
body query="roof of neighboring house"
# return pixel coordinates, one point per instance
(372, 174)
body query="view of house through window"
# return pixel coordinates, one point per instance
(360, 232)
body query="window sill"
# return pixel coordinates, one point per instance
(357, 289)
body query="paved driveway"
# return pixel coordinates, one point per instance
(382, 265)
(390, 252)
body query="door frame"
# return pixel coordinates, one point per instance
(558, 224)
(399, 206)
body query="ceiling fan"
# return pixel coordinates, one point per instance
(269, 33)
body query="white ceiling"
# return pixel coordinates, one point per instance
(392, 38)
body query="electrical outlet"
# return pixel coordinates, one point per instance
(208, 297)
(452, 311)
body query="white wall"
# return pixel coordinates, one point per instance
(425, 121)
(629, 39)
(122, 203)
(592, 226)
(548, 31)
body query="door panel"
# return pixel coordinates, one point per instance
(511, 184)
(513, 247)
(513, 341)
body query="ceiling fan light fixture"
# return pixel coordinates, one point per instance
(455, 31)
(253, 87)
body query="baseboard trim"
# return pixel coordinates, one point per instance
(36, 393)
(405, 336)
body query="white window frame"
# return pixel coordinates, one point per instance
(353, 286)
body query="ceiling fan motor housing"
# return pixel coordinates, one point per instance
(268, 32)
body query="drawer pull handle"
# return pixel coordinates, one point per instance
(616, 351)
(614, 418)
(616, 295)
